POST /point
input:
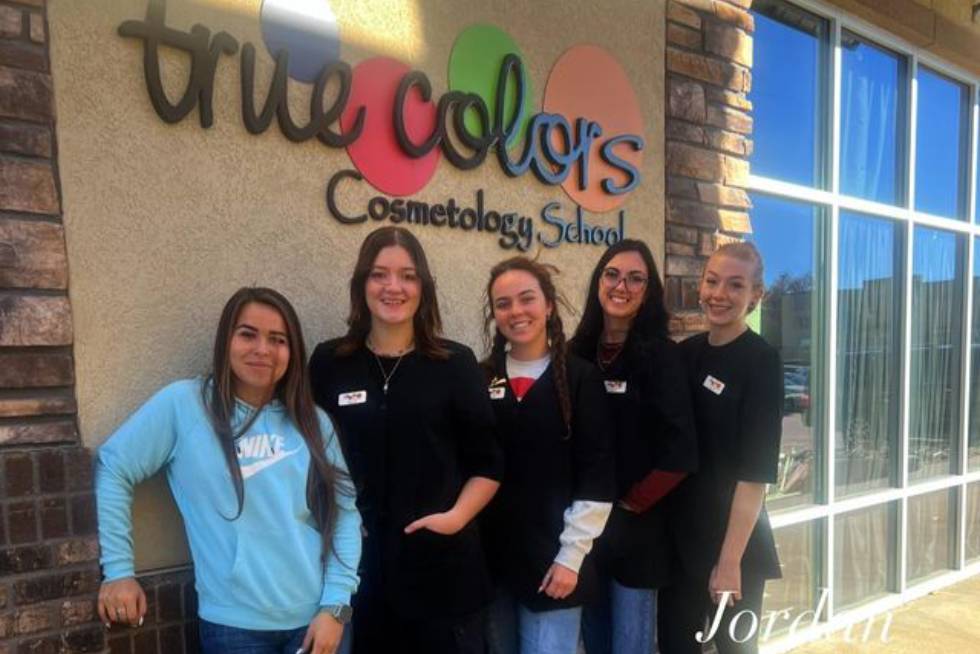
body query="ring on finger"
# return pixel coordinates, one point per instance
(119, 613)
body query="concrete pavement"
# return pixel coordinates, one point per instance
(946, 621)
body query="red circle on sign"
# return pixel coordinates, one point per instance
(588, 82)
(376, 152)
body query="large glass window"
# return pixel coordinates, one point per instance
(941, 145)
(937, 314)
(785, 232)
(796, 592)
(869, 320)
(973, 521)
(889, 196)
(788, 71)
(930, 522)
(873, 121)
(864, 554)
(973, 453)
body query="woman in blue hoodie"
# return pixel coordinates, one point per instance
(259, 478)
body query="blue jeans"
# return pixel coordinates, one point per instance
(222, 639)
(623, 621)
(514, 629)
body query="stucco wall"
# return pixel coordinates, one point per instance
(163, 221)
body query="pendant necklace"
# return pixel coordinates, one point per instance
(388, 375)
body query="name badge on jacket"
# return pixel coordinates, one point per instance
(615, 386)
(716, 386)
(497, 392)
(354, 397)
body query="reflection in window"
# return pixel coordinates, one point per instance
(869, 319)
(973, 521)
(864, 554)
(930, 548)
(787, 93)
(872, 121)
(937, 310)
(795, 592)
(784, 233)
(941, 148)
(973, 453)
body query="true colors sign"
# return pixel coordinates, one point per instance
(586, 137)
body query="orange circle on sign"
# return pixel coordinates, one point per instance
(588, 82)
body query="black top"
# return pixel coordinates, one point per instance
(409, 454)
(547, 468)
(738, 401)
(650, 404)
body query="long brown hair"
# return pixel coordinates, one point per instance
(427, 322)
(496, 342)
(293, 390)
(651, 320)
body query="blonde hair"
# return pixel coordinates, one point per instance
(747, 252)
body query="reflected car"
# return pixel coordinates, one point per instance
(796, 388)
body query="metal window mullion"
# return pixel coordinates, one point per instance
(830, 234)
(830, 407)
(961, 516)
(905, 403)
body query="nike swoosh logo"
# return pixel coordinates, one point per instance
(253, 469)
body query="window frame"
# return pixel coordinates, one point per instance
(833, 202)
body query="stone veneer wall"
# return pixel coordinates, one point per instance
(708, 128)
(48, 551)
(49, 573)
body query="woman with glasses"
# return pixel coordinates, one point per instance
(624, 331)
(416, 426)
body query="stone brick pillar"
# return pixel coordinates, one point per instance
(48, 551)
(708, 125)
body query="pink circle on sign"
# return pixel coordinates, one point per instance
(376, 152)
(588, 82)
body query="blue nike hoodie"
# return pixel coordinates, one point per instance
(263, 570)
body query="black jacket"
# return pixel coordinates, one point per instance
(409, 453)
(650, 404)
(547, 467)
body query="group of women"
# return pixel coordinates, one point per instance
(607, 490)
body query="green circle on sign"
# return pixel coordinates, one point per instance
(474, 66)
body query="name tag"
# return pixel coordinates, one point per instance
(716, 386)
(354, 397)
(498, 393)
(615, 386)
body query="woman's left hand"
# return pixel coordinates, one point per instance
(725, 577)
(446, 523)
(323, 635)
(558, 582)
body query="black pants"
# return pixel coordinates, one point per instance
(377, 629)
(684, 608)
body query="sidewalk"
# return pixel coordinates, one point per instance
(945, 621)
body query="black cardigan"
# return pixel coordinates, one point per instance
(654, 430)
(546, 469)
(409, 454)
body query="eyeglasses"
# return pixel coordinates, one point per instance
(611, 277)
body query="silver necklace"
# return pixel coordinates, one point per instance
(387, 375)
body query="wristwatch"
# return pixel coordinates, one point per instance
(341, 612)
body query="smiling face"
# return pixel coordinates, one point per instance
(393, 290)
(521, 313)
(258, 353)
(623, 286)
(727, 291)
